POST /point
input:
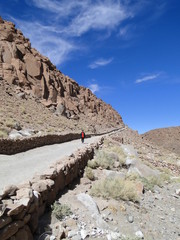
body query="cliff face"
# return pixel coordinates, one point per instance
(33, 74)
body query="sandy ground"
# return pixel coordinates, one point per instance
(20, 167)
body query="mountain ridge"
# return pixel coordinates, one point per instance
(168, 138)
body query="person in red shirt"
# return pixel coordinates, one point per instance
(82, 136)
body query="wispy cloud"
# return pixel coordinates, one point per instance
(94, 87)
(86, 15)
(47, 40)
(66, 23)
(100, 63)
(148, 78)
(99, 17)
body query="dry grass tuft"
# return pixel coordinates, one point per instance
(103, 159)
(120, 153)
(115, 188)
(60, 210)
(89, 173)
(3, 133)
(152, 181)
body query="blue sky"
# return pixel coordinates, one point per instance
(126, 51)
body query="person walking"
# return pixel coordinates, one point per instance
(82, 136)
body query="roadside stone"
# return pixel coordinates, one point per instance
(24, 193)
(4, 220)
(84, 234)
(40, 186)
(178, 192)
(58, 230)
(9, 190)
(10, 230)
(130, 219)
(2, 209)
(139, 234)
(72, 233)
(15, 209)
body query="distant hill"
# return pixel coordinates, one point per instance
(168, 138)
(34, 93)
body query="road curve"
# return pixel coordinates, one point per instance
(21, 167)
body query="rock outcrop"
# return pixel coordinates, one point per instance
(33, 74)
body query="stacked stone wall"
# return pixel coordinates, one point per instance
(9, 146)
(21, 206)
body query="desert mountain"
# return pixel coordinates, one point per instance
(31, 85)
(168, 138)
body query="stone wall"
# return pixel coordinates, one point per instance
(9, 146)
(22, 206)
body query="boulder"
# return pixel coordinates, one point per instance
(24, 193)
(9, 190)
(5, 220)
(10, 230)
(34, 67)
(15, 209)
(6, 55)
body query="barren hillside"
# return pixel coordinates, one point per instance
(35, 94)
(168, 138)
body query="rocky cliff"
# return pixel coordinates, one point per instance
(32, 75)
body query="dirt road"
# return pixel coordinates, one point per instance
(20, 167)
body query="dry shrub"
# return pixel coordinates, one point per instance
(60, 210)
(115, 188)
(152, 181)
(93, 164)
(3, 133)
(89, 173)
(10, 122)
(133, 176)
(103, 159)
(120, 153)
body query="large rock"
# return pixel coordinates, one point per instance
(5, 220)
(34, 67)
(9, 190)
(10, 230)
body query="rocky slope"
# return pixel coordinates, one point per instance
(27, 75)
(168, 138)
(130, 191)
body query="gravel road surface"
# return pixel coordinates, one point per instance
(20, 167)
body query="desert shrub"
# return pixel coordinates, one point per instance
(120, 153)
(60, 210)
(132, 176)
(3, 133)
(93, 164)
(115, 188)
(176, 179)
(152, 181)
(89, 173)
(10, 123)
(22, 110)
(102, 159)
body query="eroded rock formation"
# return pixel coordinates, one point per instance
(34, 74)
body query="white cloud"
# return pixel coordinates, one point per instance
(62, 8)
(94, 87)
(47, 40)
(148, 78)
(98, 17)
(100, 63)
(65, 22)
(86, 15)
